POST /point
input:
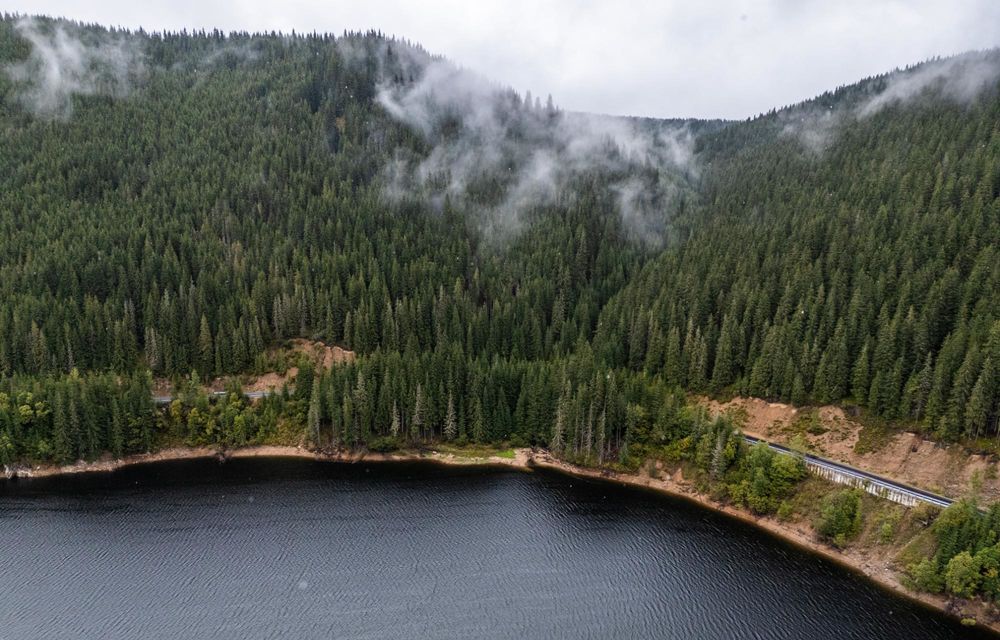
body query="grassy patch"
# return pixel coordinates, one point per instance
(811, 423)
(923, 545)
(739, 416)
(806, 423)
(476, 451)
(882, 522)
(808, 497)
(874, 435)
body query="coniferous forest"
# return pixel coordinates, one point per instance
(177, 205)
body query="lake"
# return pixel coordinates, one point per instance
(291, 548)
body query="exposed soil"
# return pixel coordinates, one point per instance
(903, 456)
(107, 463)
(324, 357)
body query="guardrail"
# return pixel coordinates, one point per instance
(873, 484)
(251, 395)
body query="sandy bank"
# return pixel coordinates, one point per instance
(520, 459)
(862, 562)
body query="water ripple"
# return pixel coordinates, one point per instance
(291, 548)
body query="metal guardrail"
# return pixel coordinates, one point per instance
(865, 479)
(875, 484)
(251, 395)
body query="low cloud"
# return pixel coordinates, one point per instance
(64, 61)
(959, 79)
(504, 155)
(815, 127)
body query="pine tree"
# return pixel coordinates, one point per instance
(62, 445)
(673, 366)
(394, 427)
(599, 437)
(315, 410)
(348, 421)
(152, 351)
(860, 381)
(450, 420)
(724, 369)
(478, 421)
(417, 421)
(698, 363)
(206, 350)
(362, 409)
(953, 420)
(982, 401)
(117, 439)
(831, 374)
(559, 428)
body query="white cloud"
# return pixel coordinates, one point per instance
(62, 65)
(667, 58)
(479, 129)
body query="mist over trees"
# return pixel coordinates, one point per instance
(868, 273)
(505, 271)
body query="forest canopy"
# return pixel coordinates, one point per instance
(172, 205)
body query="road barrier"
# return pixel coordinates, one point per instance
(848, 475)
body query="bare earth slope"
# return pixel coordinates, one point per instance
(906, 457)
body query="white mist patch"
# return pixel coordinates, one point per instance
(485, 139)
(815, 128)
(62, 64)
(960, 79)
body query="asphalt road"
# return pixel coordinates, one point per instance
(252, 395)
(871, 478)
(810, 459)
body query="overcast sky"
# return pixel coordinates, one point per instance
(665, 58)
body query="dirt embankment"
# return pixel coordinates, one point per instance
(520, 459)
(323, 356)
(906, 457)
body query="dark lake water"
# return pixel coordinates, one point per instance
(281, 548)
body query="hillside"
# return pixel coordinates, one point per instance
(181, 202)
(184, 211)
(847, 251)
(184, 202)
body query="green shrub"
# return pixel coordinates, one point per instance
(989, 571)
(384, 444)
(926, 577)
(887, 526)
(840, 516)
(961, 577)
(785, 510)
(763, 478)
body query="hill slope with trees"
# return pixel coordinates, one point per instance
(178, 203)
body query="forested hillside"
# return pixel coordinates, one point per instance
(174, 205)
(206, 197)
(849, 249)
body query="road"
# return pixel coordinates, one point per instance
(870, 478)
(252, 395)
(810, 460)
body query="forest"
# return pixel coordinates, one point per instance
(177, 205)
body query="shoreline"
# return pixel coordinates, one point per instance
(872, 568)
(172, 454)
